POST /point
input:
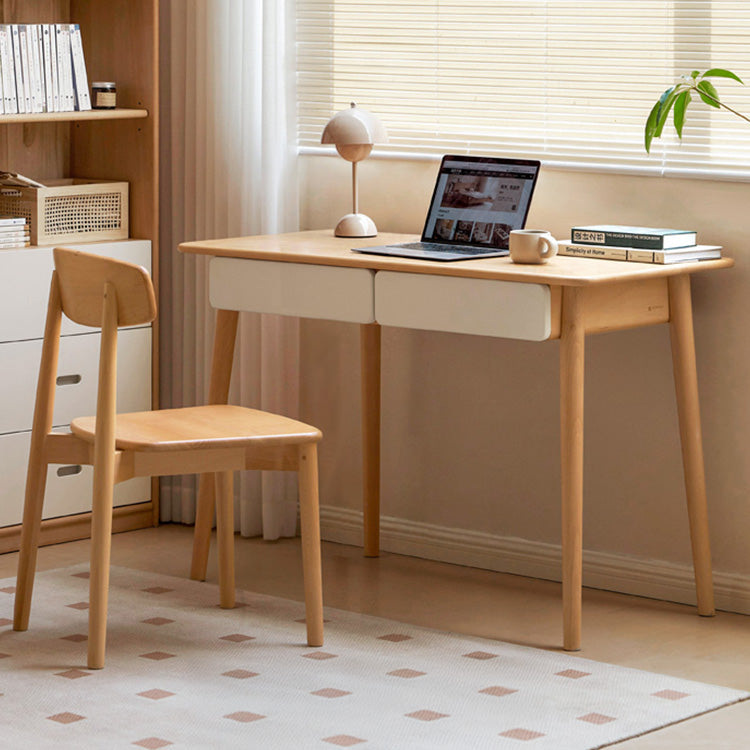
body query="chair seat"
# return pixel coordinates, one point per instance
(217, 426)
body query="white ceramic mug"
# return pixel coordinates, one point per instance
(532, 246)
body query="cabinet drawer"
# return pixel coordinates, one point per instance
(78, 370)
(440, 303)
(68, 490)
(307, 291)
(25, 275)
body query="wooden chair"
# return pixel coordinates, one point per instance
(105, 293)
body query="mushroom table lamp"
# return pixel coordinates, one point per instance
(354, 131)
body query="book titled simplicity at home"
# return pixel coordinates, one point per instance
(665, 257)
(646, 238)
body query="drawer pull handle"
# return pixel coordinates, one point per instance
(68, 471)
(68, 379)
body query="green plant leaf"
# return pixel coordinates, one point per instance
(650, 128)
(666, 102)
(708, 93)
(694, 74)
(722, 73)
(680, 107)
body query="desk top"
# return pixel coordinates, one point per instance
(320, 247)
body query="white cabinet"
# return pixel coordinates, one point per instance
(24, 285)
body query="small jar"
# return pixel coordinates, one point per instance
(104, 95)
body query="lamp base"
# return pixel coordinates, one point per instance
(356, 225)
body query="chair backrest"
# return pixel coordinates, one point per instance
(82, 277)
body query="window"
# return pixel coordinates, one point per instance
(567, 81)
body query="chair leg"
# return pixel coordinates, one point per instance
(101, 545)
(204, 516)
(225, 536)
(310, 528)
(36, 482)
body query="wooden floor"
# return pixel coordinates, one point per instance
(619, 629)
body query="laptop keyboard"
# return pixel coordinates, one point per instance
(442, 248)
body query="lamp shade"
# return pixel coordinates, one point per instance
(354, 126)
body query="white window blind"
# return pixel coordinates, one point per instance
(568, 81)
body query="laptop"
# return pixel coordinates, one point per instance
(476, 203)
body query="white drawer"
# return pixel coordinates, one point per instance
(78, 370)
(307, 291)
(484, 307)
(68, 490)
(25, 275)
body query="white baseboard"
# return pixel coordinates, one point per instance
(654, 579)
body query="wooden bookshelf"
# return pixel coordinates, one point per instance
(120, 42)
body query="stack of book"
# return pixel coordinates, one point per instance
(14, 232)
(639, 244)
(42, 68)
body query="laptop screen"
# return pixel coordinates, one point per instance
(478, 200)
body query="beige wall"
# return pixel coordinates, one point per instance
(471, 424)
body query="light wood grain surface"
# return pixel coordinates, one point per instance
(322, 248)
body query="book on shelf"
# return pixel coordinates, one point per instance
(82, 98)
(638, 255)
(646, 238)
(12, 221)
(42, 69)
(10, 102)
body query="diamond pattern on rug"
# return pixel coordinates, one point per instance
(73, 674)
(78, 605)
(8, 590)
(395, 637)
(573, 674)
(155, 694)
(319, 656)
(157, 590)
(5, 621)
(153, 743)
(237, 638)
(187, 685)
(480, 655)
(330, 693)
(245, 717)
(157, 655)
(66, 718)
(407, 674)
(597, 718)
(157, 621)
(671, 695)
(343, 740)
(522, 734)
(426, 715)
(498, 690)
(75, 638)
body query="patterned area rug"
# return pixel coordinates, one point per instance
(183, 673)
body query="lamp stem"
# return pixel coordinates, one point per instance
(355, 197)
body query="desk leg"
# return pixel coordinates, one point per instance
(370, 363)
(218, 393)
(571, 443)
(688, 409)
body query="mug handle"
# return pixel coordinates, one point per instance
(551, 249)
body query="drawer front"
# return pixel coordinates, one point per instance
(69, 488)
(77, 373)
(25, 275)
(307, 291)
(505, 309)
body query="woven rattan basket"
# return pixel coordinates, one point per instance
(70, 210)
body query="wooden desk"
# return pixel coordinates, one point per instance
(313, 274)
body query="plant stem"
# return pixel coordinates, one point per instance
(720, 103)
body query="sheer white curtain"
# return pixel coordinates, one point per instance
(227, 170)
